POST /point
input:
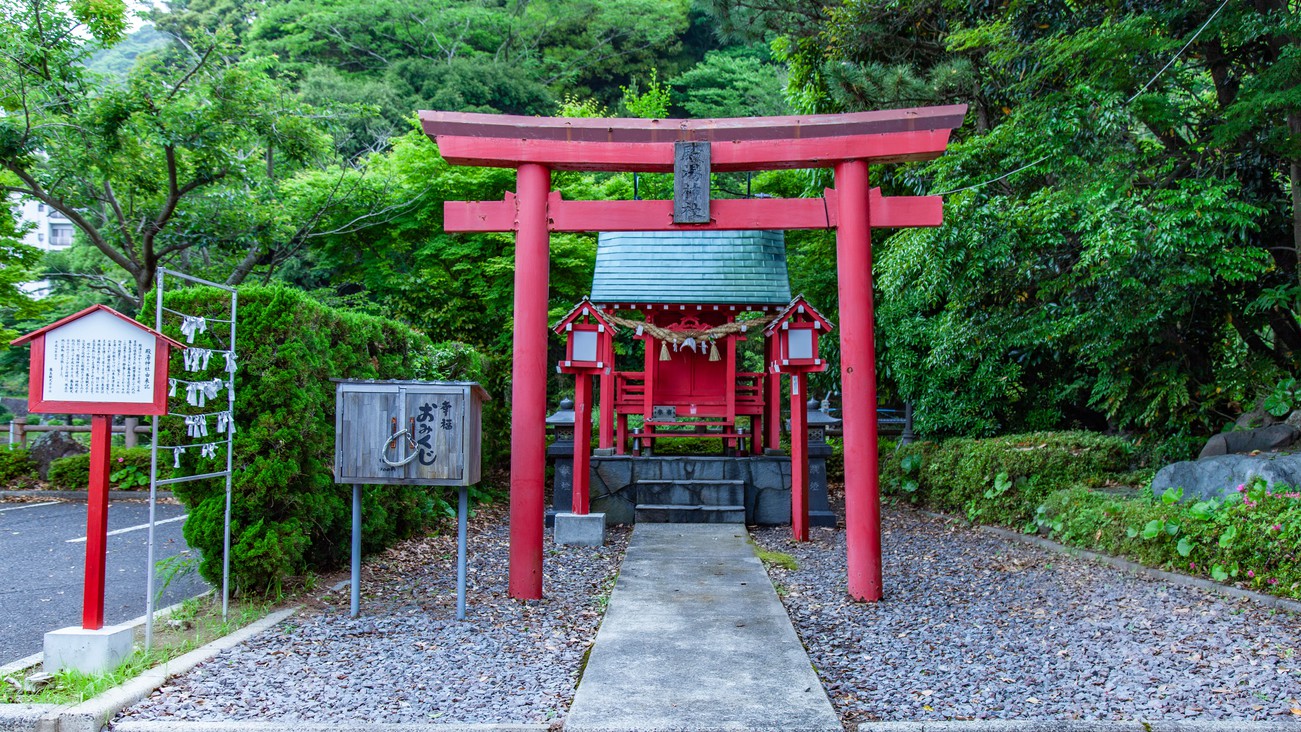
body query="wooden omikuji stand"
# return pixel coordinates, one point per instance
(847, 143)
(102, 363)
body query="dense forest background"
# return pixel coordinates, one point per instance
(1123, 218)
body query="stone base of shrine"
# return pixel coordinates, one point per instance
(766, 482)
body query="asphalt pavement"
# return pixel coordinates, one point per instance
(42, 565)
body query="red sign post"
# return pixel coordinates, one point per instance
(97, 362)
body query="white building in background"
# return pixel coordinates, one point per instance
(47, 230)
(52, 230)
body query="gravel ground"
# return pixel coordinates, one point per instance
(976, 627)
(407, 659)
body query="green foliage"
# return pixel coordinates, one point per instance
(650, 104)
(17, 470)
(1118, 248)
(289, 517)
(1253, 540)
(128, 469)
(1001, 479)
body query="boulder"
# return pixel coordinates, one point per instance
(1220, 476)
(1294, 419)
(50, 447)
(1257, 417)
(1264, 439)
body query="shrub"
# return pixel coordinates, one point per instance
(1254, 539)
(1001, 479)
(288, 515)
(17, 469)
(127, 469)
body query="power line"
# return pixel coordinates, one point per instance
(1127, 101)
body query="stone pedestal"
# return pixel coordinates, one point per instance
(580, 530)
(88, 651)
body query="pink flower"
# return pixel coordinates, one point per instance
(1242, 488)
(1276, 527)
(1250, 574)
(1273, 580)
(1192, 565)
(121, 460)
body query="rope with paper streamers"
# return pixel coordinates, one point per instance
(692, 339)
(206, 450)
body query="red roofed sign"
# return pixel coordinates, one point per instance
(98, 361)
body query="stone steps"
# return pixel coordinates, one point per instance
(652, 513)
(690, 501)
(691, 492)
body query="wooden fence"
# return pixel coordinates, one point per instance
(130, 429)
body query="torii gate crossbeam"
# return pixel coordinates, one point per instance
(847, 143)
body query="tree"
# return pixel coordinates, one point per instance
(1120, 245)
(139, 168)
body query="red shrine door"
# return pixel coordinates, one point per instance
(846, 143)
(688, 380)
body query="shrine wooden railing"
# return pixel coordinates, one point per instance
(629, 391)
(749, 393)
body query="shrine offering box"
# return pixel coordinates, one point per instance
(408, 432)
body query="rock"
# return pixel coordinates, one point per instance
(1294, 419)
(1257, 417)
(50, 447)
(1219, 476)
(1273, 437)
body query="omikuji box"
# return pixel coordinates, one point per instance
(408, 432)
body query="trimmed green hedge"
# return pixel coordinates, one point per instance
(1001, 480)
(289, 517)
(1253, 540)
(128, 470)
(17, 470)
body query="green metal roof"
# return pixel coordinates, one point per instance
(714, 267)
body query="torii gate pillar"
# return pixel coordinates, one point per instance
(528, 441)
(858, 381)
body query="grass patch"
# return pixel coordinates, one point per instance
(197, 622)
(774, 559)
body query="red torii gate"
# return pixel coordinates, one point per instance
(535, 146)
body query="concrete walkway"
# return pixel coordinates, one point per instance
(696, 639)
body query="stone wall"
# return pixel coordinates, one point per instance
(767, 483)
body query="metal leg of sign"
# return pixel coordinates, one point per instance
(356, 550)
(225, 557)
(153, 489)
(149, 575)
(462, 511)
(230, 458)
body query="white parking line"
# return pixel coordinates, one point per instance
(131, 528)
(29, 505)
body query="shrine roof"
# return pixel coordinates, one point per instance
(715, 267)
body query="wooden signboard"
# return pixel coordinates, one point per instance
(408, 432)
(97, 362)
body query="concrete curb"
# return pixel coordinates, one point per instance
(1101, 725)
(81, 495)
(1184, 580)
(21, 664)
(29, 717)
(93, 714)
(292, 726)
